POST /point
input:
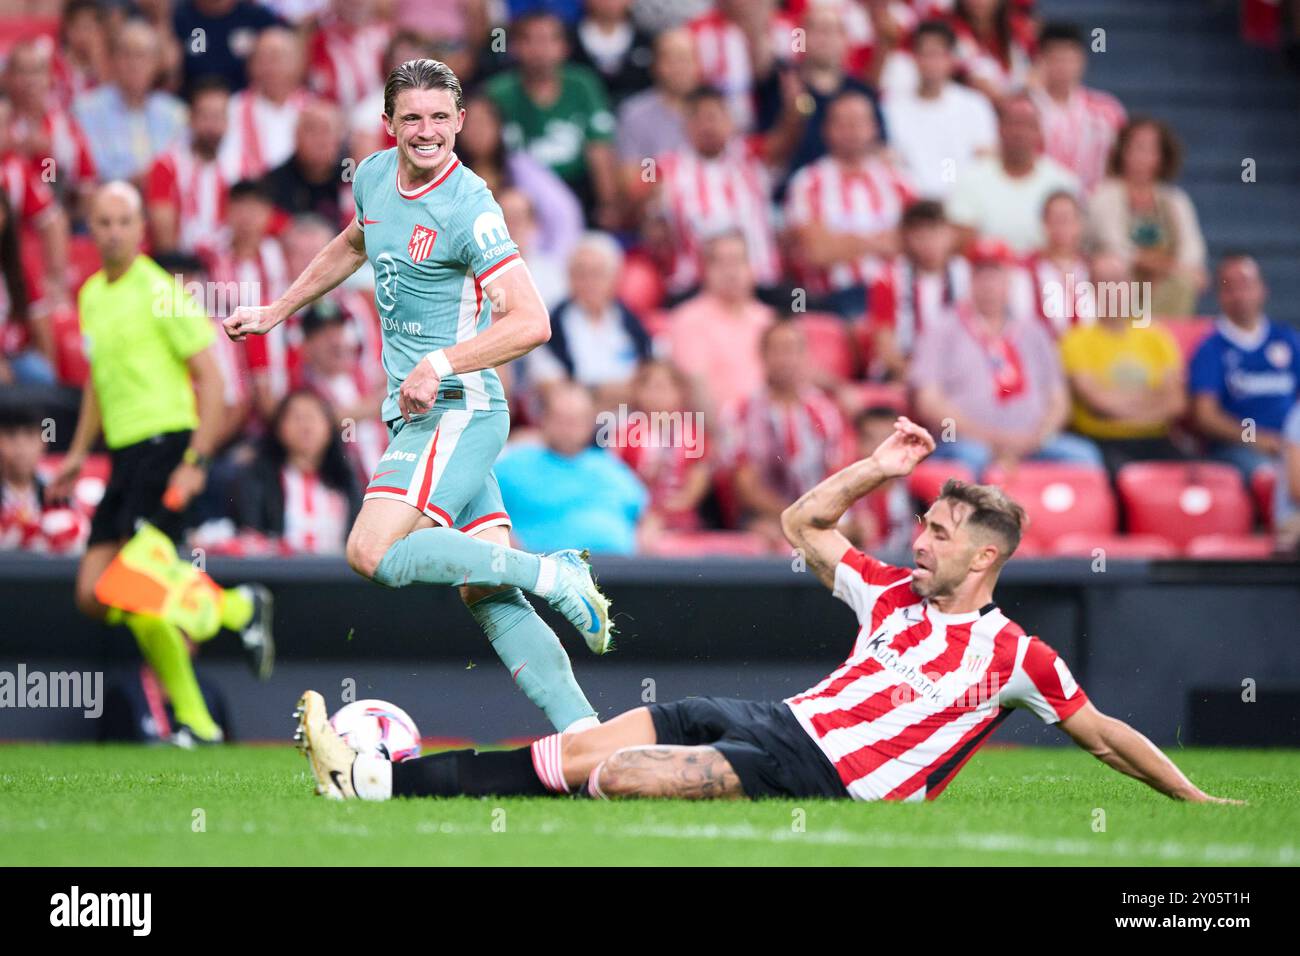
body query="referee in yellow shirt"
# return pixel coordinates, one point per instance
(155, 390)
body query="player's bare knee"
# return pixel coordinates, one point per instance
(365, 551)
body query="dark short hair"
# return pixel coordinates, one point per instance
(1171, 150)
(991, 510)
(703, 93)
(251, 189)
(934, 28)
(875, 413)
(1059, 31)
(923, 212)
(422, 74)
(208, 83)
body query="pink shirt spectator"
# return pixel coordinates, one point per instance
(719, 347)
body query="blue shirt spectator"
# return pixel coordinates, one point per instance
(216, 38)
(568, 493)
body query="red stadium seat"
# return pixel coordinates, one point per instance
(695, 544)
(928, 477)
(892, 394)
(1263, 486)
(1233, 547)
(656, 322)
(1182, 500)
(14, 30)
(1188, 333)
(1060, 499)
(92, 481)
(83, 260)
(70, 363)
(830, 346)
(640, 286)
(1083, 544)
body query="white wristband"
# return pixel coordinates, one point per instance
(441, 364)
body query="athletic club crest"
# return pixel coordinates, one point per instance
(421, 243)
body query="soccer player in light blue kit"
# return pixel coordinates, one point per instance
(455, 301)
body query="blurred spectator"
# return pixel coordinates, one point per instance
(607, 41)
(1079, 123)
(653, 122)
(885, 519)
(35, 212)
(128, 121)
(940, 127)
(567, 492)
(26, 342)
(250, 269)
(311, 180)
(714, 336)
(1139, 213)
(990, 384)
(558, 113)
(1054, 283)
(595, 340)
(995, 44)
(300, 487)
(41, 130)
(1126, 377)
(454, 30)
(546, 264)
(738, 44)
(787, 436)
(915, 290)
(81, 62)
(1245, 377)
(714, 186)
(1286, 501)
(843, 210)
(264, 116)
(482, 147)
(228, 30)
(345, 53)
(676, 473)
(185, 191)
(27, 522)
(1002, 196)
(797, 97)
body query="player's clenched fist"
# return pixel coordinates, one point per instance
(418, 391)
(251, 320)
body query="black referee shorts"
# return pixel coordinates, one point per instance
(135, 488)
(771, 753)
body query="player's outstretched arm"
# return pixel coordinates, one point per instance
(520, 323)
(338, 260)
(810, 524)
(1118, 745)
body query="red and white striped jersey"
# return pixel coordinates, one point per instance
(865, 200)
(723, 56)
(64, 142)
(1079, 133)
(234, 281)
(29, 197)
(261, 133)
(345, 60)
(315, 515)
(792, 446)
(922, 690)
(907, 301)
(702, 197)
(1058, 296)
(197, 189)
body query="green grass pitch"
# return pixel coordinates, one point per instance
(122, 805)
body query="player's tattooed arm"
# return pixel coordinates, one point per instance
(688, 773)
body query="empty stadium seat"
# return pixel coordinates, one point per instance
(1060, 499)
(1233, 547)
(928, 477)
(1181, 500)
(1083, 544)
(1263, 486)
(830, 346)
(695, 544)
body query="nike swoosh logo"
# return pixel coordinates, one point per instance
(595, 621)
(338, 780)
(381, 474)
(369, 222)
(514, 675)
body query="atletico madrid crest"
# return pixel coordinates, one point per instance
(421, 243)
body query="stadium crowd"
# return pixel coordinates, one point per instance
(762, 231)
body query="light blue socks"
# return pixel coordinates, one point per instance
(447, 556)
(533, 655)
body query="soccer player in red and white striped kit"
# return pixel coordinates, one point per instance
(935, 668)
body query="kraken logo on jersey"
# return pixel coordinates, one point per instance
(491, 234)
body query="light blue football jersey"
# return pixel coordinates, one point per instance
(432, 248)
